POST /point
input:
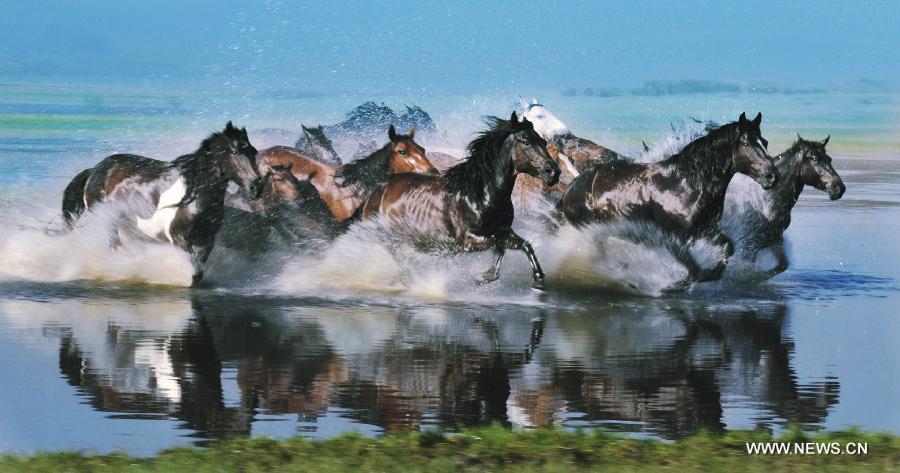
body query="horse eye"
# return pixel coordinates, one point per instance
(402, 152)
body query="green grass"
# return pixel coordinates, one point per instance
(486, 449)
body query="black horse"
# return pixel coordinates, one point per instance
(805, 163)
(683, 194)
(179, 202)
(469, 208)
(315, 144)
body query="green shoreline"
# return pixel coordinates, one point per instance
(488, 449)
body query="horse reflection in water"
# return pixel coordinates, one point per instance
(219, 363)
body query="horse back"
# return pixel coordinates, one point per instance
(302, 166)
(419, 196)
(108, 175)
(578, 203)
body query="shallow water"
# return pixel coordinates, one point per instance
(104, 351)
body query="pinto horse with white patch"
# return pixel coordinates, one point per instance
(345, 188)
(683, 194)
(180, 202)
(469, 207)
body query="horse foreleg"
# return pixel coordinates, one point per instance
(199, 255)
(493, 273)
(781, 254)
(515, 242)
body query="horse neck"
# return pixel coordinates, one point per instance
(784, 196)
(707, 170)
(206, 191)
(496, 184)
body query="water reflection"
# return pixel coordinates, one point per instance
(222, 365)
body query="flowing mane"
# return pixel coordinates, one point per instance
(366, 173)
(200, 169)
(701, 158)
(469, 176)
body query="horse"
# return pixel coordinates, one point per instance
(293, 207)
(315, 144)
(179, 202)
(345, 188)
(683, 194)
(805, 163)
(469, 207)
(572, 153)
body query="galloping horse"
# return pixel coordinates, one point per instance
(469, 208)
(345, 188)
(805, 163)
(573, 154)
(179, 202)
(315, 144)
(683, 194)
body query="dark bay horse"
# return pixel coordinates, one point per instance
(805, 163)
(469, 208)
(179, 202)
(293, 207)
(315, 144)
(345, 188)
(683, 194)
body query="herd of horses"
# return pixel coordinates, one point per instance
(458, 206)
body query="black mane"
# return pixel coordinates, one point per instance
(200, 170)
(702, 158)
(469, 177)
(367, 173)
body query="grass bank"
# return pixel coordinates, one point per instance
(488, 449)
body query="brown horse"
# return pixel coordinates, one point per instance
(345, 188)
(574, 155)
(469, 208)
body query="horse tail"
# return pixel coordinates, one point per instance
(73, 198)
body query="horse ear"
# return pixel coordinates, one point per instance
(825, 141)
(523, 104)
(412, 132)
(229, 127)
(757, 120)
(514, 119)
(392, 133)
(743, 118)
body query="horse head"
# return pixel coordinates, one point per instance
(406, 155)
(315, 143)
(750, 156)
(816, 169)
(545, 123)
(529, 151)
(237, 160)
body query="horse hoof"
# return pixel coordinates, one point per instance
(196, 279)
(487, 277)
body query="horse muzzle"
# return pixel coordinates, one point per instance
(550, 175)
(836, 190)
(768, 178)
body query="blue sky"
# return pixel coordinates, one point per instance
(446, 46)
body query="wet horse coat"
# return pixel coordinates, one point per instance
(179, 202)
(345, 188)
(683, 194)
(469, 208)
(805, 163)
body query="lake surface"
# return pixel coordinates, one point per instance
(105, 350)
